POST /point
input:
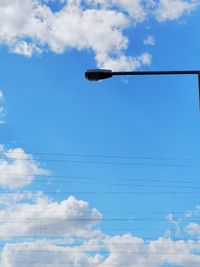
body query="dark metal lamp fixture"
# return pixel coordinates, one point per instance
(96, 74)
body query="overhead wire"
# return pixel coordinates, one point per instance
(110, 184)
(97, 193)
(102, 162)
(97, 155)
(42, 177)
(119, 192)
(128, 251)
(141, 242)
(92, 219)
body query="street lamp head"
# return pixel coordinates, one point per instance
(96, 74)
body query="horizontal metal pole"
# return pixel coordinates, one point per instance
(175, 72)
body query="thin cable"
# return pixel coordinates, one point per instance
(103, 192)
(130, 243)
(91, 219)
(105, 162)
(105, 184)
(142, 179)
(136, 212)
(128, 252)
(97, 156)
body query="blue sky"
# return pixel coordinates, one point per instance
(97, 174)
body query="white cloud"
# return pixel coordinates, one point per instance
(30, 26)
(42, 219)
(134, 8)
(128, 250)
(124, 62)
(27, 27)
(25, 48)
(176, 223)
(149, 40)
(43, 253)
(125, 250)
(193, 229)
(17, 168)
(35, 214)
(174, 9)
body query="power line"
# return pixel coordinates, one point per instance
(100, 250)
(44, 178)
(107, 184)
(42, 232)
(131, 243)
(40, 219)
(136, 212)
(105, 192)
(105, 162)
(98, 156)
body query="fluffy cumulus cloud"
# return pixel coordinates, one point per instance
(35, 215)
(31, 26)
(43, 253)
(54, 233)
(128, 250)
(28, 26)
(47, 232)
(125, 250)
(17, 168)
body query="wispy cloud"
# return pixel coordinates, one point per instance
(149, 40)
(174, 9)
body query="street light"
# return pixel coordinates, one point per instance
(100, 74)
(97, 74)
